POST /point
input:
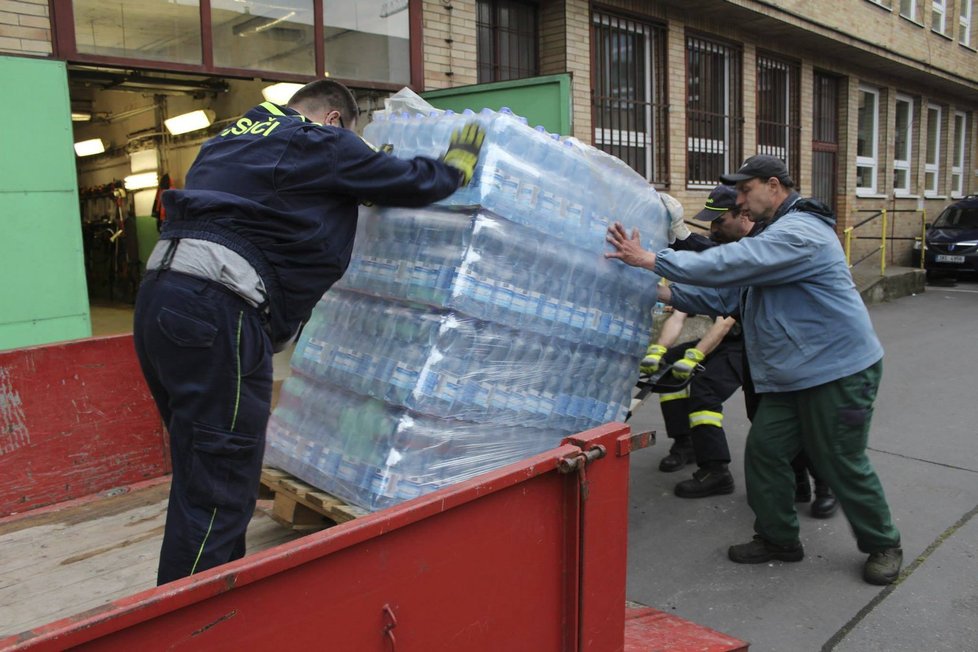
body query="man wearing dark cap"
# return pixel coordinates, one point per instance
(694, 415)
(814, 359)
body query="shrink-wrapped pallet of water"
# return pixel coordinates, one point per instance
(474, 332)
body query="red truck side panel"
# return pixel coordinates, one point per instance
(489, 564)
(75, 419)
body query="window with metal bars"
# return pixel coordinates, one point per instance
(714, 110)
(629, 98)
(506, 40)
(825, 138)
(779, 110)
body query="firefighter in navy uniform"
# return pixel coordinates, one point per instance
(264, 226)
(694, 415)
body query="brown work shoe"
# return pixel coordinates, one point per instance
(883, 567)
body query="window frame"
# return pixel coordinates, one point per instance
(958, 153)
(520, 37)
(939, 7)
(871, 162)
(65, 47)
(964, 23)
(730, 146)
(791, 123)
(903, 164)
(911, 12)
(655, 100)
(933, 167)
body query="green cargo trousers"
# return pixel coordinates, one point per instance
(831, 422)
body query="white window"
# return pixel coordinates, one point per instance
(938, 16)
(932, 162)
(964, 21)
(629, 99)
(957, 158)
(714, 137)
(867, 140)
(778, 101)
(903, 145)
(908, 9)
(883, 3)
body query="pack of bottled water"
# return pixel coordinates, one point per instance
(474, 332)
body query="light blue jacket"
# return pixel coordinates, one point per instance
(804, 321)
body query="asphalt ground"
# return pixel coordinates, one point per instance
(924, 446)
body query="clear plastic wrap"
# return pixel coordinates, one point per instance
(475, 332)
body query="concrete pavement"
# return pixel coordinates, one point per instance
(923, 444)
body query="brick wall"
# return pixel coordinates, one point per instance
(449, 43)
(578, 22)
(857, 38)
(25, 27)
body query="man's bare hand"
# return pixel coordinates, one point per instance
(628, 249)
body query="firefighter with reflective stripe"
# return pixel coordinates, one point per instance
(263, 227)
(694, 415)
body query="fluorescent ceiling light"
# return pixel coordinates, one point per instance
(89, 147)
(280, 93)
(142, 161)
(141, 181)
(81, 116)
(187, 122)
(258, 24)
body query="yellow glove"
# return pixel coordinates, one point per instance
(653, 358)
(463, 150)
(683, 367)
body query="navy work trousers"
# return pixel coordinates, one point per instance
(208, 363)
(696, 414)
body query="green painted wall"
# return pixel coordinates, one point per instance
(147, 237)
(43, 297)
(541, 100)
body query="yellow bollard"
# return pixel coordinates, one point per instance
(883, 246)
(848, 245)
(923, 236)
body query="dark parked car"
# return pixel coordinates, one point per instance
(952, 240)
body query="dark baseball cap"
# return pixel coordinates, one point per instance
(761, 166)
(722, 199)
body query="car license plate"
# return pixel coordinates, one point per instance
(944, 258)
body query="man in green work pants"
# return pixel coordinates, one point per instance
(832, 423)
(814, 359)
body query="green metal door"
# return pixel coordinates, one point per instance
(541, 100)
(43, 293)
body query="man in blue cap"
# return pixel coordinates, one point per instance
(814, 358)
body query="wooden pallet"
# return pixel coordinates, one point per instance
(300, 506)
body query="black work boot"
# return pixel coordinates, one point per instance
(679, 456)
(825, 504)
(883, 567)
(708, 480)
(758, 551)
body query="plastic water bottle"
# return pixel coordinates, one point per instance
(377, 131)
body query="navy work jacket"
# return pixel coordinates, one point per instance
(282, 192)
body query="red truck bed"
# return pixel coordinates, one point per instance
(527, 557)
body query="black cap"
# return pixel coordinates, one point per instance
(761, 166)
(721, 199)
